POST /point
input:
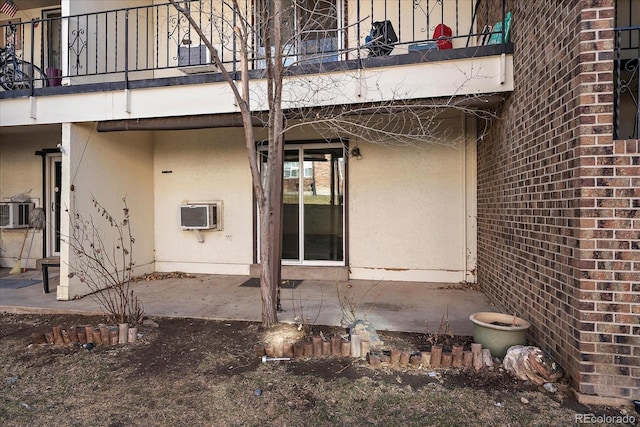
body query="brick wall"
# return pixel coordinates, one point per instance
(558, 199)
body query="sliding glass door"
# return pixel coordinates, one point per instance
(313, 204)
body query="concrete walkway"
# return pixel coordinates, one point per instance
(394, 306)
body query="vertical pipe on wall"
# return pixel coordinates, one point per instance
(465, 224)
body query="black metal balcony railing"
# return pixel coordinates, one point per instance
(626, 77)
(149, 42)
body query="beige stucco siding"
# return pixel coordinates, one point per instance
(201, 166)
(409, 212)
(109, 167)
(21, 172)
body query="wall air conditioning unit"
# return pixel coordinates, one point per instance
(201, 216)
(15, 215)
(195, 59)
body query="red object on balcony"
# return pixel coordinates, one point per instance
(442, 35)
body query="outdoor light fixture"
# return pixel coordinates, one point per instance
(355, 152)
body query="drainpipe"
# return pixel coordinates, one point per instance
(464, 200)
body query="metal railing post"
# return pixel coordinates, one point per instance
(126, 49)
(32, 58)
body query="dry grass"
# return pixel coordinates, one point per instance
(193, 372)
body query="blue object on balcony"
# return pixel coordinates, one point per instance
(319, 51)
(421, 47)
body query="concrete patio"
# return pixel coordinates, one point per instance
(394, 306)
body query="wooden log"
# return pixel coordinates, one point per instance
(476, 349)
(38, 338)
(486, 358)
(404, 358)
(447, 359)
(326, 348)
(426, 359)
(82, 335)
(456, 353)
(288, 349)
(395, 356)
(97, 340)
(259, 350)
(123, 333)
(133, 335)
(415, 360)
(308, 349)
(355, 345)
(268, 349)
(317, 345)
(467, 359)
(49, 337)
(336, 345)
(346, 349)
(104, 335)
(436, 356)
(88, 331)
(66, 338)
(298, 349)
(365, 347)
(57, 335)
(73, 334)
(278, 347)
(114, 336)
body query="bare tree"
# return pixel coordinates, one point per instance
(269, 33)
(267, 192)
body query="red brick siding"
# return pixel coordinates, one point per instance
(558, 199)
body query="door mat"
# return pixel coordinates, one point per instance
(17, 283)
(286, 284)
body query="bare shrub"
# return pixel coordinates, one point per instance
(105, 267)
(443, 335)
(351, 307)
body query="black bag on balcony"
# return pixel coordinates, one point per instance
(381, 39)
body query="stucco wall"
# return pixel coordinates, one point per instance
(21, 172)
(408, 211)
(199, 166)
(108, 167)
(411, 210)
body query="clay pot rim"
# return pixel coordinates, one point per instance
(484, 318)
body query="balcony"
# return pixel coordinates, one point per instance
(627, 89)
(154, 46)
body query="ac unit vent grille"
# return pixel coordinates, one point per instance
(15, 215)
(195, 59)
(203, 216)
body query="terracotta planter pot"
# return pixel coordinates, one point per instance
(498, 331)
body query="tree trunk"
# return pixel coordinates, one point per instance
(269, 270)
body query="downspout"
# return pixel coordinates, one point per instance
(465, 225)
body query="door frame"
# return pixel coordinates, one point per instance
(314, 144)
(53, 188)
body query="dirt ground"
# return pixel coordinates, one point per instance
(207, 373)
